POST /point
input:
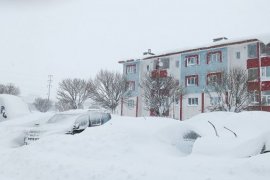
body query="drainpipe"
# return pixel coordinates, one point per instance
(121, 106)
(137, 103)
(181, 107)
(259, 75)
(203, 102)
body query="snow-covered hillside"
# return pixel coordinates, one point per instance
(141, 148)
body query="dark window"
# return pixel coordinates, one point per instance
(163, 63)
(252, 51)
(238, 55)
(177, 63)
(252, 74)
(147, 67)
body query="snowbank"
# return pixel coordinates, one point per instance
(140, 148)
(13, 106)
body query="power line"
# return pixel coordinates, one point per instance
(49, 85)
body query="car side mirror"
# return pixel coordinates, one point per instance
(3, 112)
(4, 115)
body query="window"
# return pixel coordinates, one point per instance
(131, 69)
(131, 103)
(266, 98)
(163, 63)
(147, 67)
(192, 60)
(213, 57)
(130, 86)
(215, 101)
(214, 78)
(192, 101)
(177, 64)
(238, 55)
(252, 50)
(254, 98)
(192, 80)
(253, 74)
(265, 72)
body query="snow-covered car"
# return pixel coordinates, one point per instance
(12, 107)
(98, 118)
(70, 122)
(32, 135)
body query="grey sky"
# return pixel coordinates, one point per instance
(76, 38)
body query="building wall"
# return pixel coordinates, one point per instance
(233, 55)
(202, 68)
(147, 66)
(130, 110)
(133, 77)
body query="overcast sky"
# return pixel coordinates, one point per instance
(77, 38)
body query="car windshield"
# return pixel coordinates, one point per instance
(60, 117)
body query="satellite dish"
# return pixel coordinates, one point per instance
(160, 64)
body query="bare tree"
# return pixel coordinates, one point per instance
(73, 92)
(42, 105)
(107, 89)
(2, 89)
(9, 89)
(62, 106)
(159, 93)
(231, 89)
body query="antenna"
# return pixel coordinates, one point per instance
(49, 85)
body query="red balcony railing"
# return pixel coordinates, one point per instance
(159, 73)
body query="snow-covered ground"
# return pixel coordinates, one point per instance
(142, 149)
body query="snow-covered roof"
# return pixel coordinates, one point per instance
(264, 38)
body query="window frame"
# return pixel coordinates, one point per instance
(193, 101)
(131, 69)
(131, 103)
(195, 80)
(190, 58)
(216, 54)
(216, 74)
(263, 72)
(130, 86)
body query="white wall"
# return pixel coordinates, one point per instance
(190, 111)
(233, 61)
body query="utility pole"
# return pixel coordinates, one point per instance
(49, 85)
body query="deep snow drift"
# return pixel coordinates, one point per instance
(141, 148)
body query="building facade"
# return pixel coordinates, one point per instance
(194, 68)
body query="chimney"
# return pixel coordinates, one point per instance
(219, 39)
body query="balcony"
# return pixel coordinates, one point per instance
(265, 85)
(253, 63)
(159, 73)
(252, 86)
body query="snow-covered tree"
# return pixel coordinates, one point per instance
(107, 89)
(9, 89)
(42, 105)
(231, 89)
(160, 92)
(73, 93)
